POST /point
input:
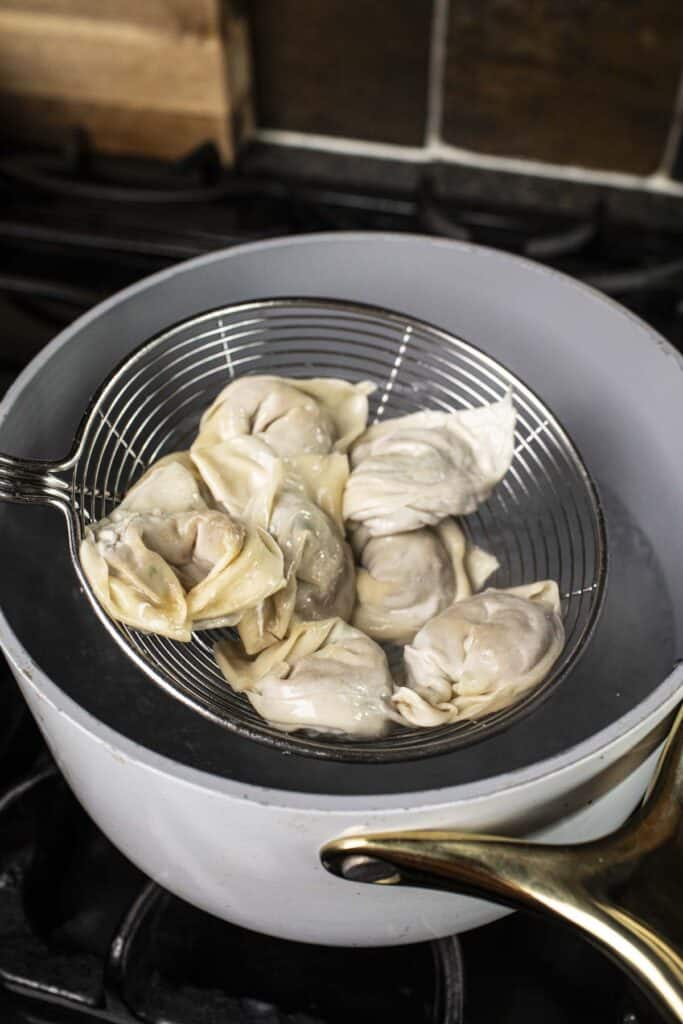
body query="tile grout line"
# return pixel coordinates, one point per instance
(675, 134)
(657, 183)
(437, 71)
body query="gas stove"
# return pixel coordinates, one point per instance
(84, 936)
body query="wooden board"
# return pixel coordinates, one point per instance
(151, 78)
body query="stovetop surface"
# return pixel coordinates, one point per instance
(84, 936)
(76, 227)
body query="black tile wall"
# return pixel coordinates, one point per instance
(587, 82)
(354, 68)
(591, 83)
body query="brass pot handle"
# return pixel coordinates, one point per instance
(623, 892)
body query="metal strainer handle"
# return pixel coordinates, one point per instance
(623, 892)
(34, 482)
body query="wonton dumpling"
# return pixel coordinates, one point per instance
(322, 479)
(228, 569)
(319, 564)
(172, 484)
(235, 586)
(293, 416)
(325, 676)
(192, 543)
(134, 584)
(174, 573)
(163, 561)
(269, 621)
(406, 579)
(245, 474)
(299, 501)
(416, 470)
(479, 565)
(321, 558)
(481, 654)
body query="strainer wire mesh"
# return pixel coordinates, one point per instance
(542, 521)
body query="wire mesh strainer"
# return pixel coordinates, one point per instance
(543, 520)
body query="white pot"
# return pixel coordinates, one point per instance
(249, 852)
(243, 854)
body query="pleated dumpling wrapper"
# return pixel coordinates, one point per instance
(244, 475)
(298, 499)
(319, 567)
(481, 655)
(406, 579)
(325, 676)
(416, 470)
(295, 417)
(165, 563)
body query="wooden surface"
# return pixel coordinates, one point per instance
(198, 16)
(152, 78)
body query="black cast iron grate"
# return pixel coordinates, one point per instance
(76, 226)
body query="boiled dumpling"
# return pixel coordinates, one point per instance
(479, 565)
(321, 478)
(236, 584)
(321, 558)
(228, 569)
(299, 500)
(164, 562)
(320, 567)
(319, 563)
(170, 574)
(293, 416)
(192, 543)
(481, 654)
(325, 676)
(405, 579)
(132, 582)
(269, 621)
(416, 470)
(172, 484)
(244, 476)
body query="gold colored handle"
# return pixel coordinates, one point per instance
(623, 892)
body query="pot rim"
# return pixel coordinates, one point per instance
(604, 746)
